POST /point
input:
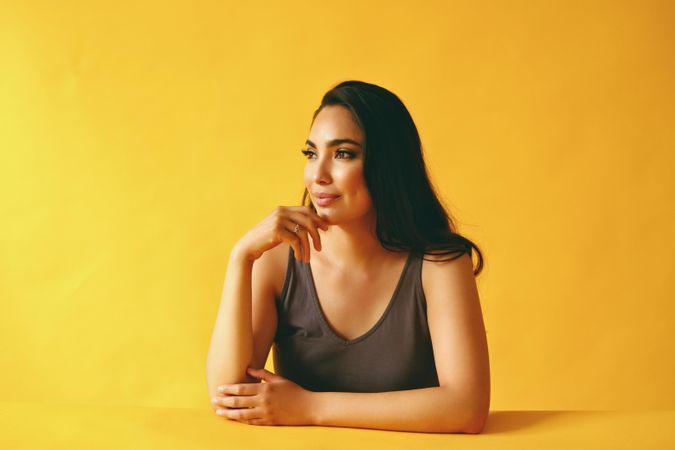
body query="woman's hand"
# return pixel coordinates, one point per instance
(278, 227)
(277, 401)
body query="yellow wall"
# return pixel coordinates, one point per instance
(140, 140)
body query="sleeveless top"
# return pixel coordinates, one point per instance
(395, 354)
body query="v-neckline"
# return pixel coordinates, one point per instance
(324, 320)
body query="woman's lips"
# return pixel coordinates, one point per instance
(325, 201)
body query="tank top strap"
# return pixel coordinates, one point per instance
(410, 309)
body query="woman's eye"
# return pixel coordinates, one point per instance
(345, 154)
(350, 155)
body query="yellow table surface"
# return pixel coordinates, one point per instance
(53, 426)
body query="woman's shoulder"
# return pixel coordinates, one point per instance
(438, 270)
(274, 262)
(442, 261)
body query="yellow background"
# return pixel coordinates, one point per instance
(140, 140)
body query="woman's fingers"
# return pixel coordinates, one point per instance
(294, 240)
(242, 414)
(301, 222)
(308, 212)
(239, 401)
(310, 221)
(304, 242)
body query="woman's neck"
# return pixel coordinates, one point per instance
(350, 246)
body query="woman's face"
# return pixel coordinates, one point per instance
(335, 166)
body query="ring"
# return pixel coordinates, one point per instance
(295, 230)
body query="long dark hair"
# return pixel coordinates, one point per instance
(410, 216)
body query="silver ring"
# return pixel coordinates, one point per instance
(295, 230)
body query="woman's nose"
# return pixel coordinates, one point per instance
(322, 171)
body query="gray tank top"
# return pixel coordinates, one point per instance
(395, 354)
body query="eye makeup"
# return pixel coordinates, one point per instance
(349, 154)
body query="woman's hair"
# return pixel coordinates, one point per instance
(409, 214)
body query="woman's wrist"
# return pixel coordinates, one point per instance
(313, 408)
(240, 253)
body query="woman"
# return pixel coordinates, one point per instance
(365, 334)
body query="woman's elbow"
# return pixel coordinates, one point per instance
(477, 425)
(479, 411)
(478, 418)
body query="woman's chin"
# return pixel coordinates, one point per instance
(329, 218)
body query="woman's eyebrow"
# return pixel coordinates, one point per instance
(334, 142)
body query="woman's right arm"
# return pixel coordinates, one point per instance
(231, 349)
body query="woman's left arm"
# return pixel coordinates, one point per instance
(462, 402)
(429, 410)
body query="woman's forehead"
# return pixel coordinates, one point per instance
(335, 122)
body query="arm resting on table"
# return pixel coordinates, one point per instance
(434, 409)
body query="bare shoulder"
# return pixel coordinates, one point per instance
(272, 266)
(440, 272)
(449, 259)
